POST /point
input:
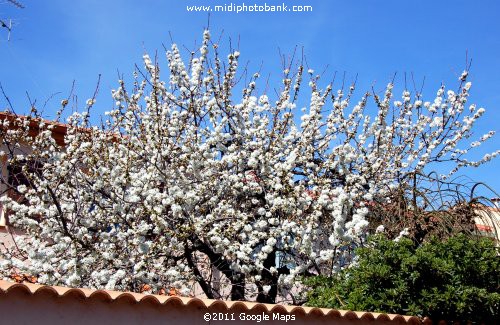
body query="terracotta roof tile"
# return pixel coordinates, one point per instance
(58, 132)
(7, 287)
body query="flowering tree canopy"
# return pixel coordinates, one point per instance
(188, 182)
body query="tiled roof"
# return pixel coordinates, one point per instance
(7, 287)
(58, 131)
(60, 127)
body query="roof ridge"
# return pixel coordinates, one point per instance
(7, 287)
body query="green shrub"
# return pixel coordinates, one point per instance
(454, 280)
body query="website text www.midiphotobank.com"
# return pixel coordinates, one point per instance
(244, 7)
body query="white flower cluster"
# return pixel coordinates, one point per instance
(185, 178)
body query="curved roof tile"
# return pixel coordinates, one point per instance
(7, 287)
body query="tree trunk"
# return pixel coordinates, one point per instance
(270, 280)
(238, 287)
(218, 261)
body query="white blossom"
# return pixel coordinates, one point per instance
(192, 173)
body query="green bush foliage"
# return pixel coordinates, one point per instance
(454, 280)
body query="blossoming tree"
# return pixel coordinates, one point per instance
(187, 182)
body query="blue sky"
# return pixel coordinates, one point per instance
(55, 42)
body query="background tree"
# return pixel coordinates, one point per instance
(453, 280)
(190, 181)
